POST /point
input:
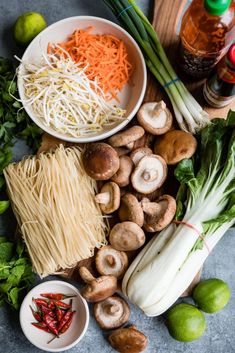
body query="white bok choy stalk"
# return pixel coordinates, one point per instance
(206, 200)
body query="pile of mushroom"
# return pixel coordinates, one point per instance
(132, 176)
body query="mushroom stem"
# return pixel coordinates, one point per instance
(86, 274)
(151, 209)
(110, 259)
(113, 309)
(130, 145)
(150, 174)
(103, 198)
(158, 108)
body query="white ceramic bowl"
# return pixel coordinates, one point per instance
(131, 96)
(75, 332)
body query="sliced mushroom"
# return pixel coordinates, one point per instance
(127, 137)
(122, 176)
(109, 197)
(126, 236)
(149, 174)
(110, 261)
(97, 289)
(100, 161)
(130, 210)
(137, 154)
(128, 340)
(158, 214)
(155, 117)
(112, 312)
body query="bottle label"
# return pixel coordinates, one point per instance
(225, 73)
(214, 99)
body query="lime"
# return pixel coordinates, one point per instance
(28, 26)
(211, 295)
(185, 322)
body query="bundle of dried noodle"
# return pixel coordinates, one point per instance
(53, 200)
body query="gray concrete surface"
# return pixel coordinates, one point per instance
(220, 332)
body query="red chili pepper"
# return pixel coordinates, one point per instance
(51, 304)
(41, 325)
(59, 314)
(47, 311)
(67, 316)
(36, 314)
(56, 296)
(68, 323)
(62, 305)
(40, 302)
(51, 324)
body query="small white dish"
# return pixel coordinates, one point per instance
(131, 96)
(78, 326)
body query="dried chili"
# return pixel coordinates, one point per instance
(52, 315)
(48, 311)
(56, 296)
(40, 302)
(67, 325)
(36, 314)
(59, 314)
(51, 324)
(62, 305)
(41, 325)
(67, 316)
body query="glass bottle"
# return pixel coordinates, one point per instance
(207, 31)
(219, 89)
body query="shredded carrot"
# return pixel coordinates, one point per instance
(104, 56)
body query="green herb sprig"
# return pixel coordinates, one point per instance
(14, 121)
(16, 274)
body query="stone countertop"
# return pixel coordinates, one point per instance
(219, 336)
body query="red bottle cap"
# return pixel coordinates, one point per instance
(231, 54)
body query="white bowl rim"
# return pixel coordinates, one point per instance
(117, 128)
(85, 326)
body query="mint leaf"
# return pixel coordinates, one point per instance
(4, 206)
(13, 297)
(6, 251)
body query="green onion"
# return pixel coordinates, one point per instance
(189, 114)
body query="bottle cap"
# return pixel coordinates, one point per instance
(216, 7)
(231, 54)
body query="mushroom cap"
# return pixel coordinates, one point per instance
(175, 145)
(164, 215)
(155, 117)
(109, 197)
(112, 312)
(126, 236)
(128, 340)
(122, 176)
(100, 161)
(137, 154)
(100, 288)
(149, 174)
(126, 137)
(110, 261)
(130, 210)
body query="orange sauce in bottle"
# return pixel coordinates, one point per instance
(206, 34)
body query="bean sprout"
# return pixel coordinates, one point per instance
(63, 97)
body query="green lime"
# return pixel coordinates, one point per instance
(211, 295)
(185, 322)
(28, 26)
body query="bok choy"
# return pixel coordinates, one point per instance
(206, 204)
